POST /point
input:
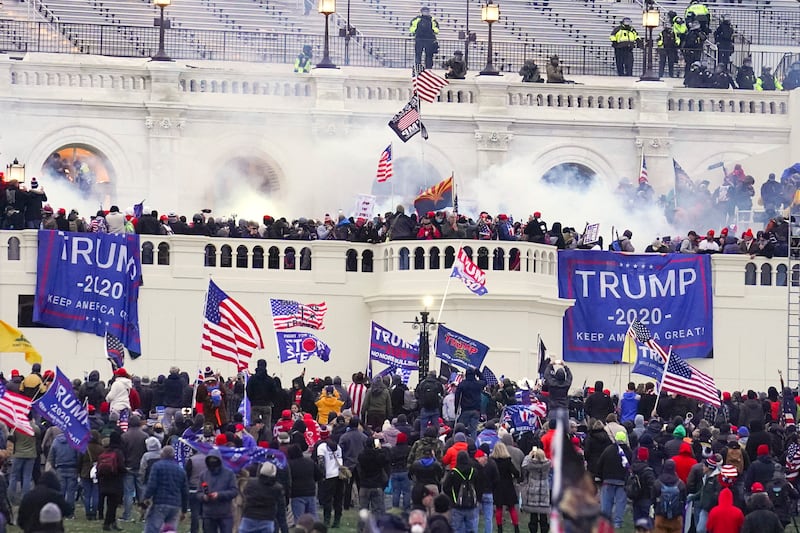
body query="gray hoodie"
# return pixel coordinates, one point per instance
(152, 455)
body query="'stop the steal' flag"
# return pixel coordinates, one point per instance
(90, 282)
(391, 349)
(12, 340)
(670, 294)
(288, 314)
(299, 347)
(468, 272)
(63, 409)
(457, 349)
(406, 123)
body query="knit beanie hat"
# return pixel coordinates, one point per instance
(680, 431)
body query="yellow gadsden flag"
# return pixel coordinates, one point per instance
(629, 348)
(12, 340)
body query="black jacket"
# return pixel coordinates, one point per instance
(373, 468)
(399, 457)
(646, 477)
(172, 391)
(609, 467)
(263, 499)
(305, 475)
(261, 388)
(47, 490)
(468, 394)
(598, 405)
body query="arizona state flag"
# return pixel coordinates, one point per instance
(435, 198)
(12, 340)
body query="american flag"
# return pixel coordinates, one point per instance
(230, 333)
(682, 378)
(290, 314)
(409, 118)
(643, 172)
(115, 351)
(385, 165)
(122, 423)
(14, 410)
(639, 331)
(428, 85)
(489, 377)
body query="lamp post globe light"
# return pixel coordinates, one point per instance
(15, 171)
(327, 8)
(651, 18)
(490, 13)
(162, 24)
(425, 324)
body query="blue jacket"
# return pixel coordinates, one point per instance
(221, 480)
(62, 455)
(167, 485)
(628, 406)
(468, 394)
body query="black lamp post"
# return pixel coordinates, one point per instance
(424, 324)
(327, 8)
(162, 24)
(15, 171)
(468, 37)
(650, 20)
(348, 33)
(490, 13)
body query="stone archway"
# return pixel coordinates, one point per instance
(84, 167)
(240, 180)
(571, 175)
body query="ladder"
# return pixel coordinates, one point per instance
(793, 303)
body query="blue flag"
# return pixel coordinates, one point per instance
(300, 347)
(456, 349)
(238, 458)
(63, 409)
(648, 363)
(391, 349)
(138, 209)
(468, 272)
(90, 282)
(521, 417)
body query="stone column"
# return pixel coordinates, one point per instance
(654, 135)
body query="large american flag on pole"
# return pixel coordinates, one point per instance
(682, 378)
(230, 332)
(14, 410)
(385, 165)
(291, 314)
(428, 85)
(643, 171)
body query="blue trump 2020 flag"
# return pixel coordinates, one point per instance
(457, 349)
(90, 282)
(299, 347)
(238, 458)
(63, 409)
(670, 294)
(391, 349)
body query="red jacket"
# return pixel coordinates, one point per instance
(725, 517)
(547, 442)
(450, 455)
(684, 461)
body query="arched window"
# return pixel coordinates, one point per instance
(766, 274)
(163, 253)
(211, 256)
(449, 257)
(258, 257)
(498, 262)
(468, 251)
(434, 259)
(226, 256)
(274, 259)
(366, 261)
(780, 275)
(288, 259)
(419, 258)
(796, 276)
(403, 256)
(513, 259)
(750, 274)
(483, 258)
(351, 261)
(305, 258)
(147, 253)
(13, 249)
(241, 256)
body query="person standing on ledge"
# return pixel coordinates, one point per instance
(303, 61)
(424, 28)
(624, 39)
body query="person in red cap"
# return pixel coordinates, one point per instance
(725, 517)
(762, 469)
(118, 396)
(536, 228)
(748, 245)
(709, 244)
(15, 383)
(427, 229)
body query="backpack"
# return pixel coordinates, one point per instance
(108, 464)
(466, 499)
(429, 396)
(409, 400)
(735, 458)
(669, 506)
(633, 486)
(150, 463)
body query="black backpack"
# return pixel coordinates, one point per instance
(466, 498)
(429, 395)
(633, 486)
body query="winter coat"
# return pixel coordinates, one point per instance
(377, 402)
(628, 406)
(598, 405)
(725, 517)
(172, 391)
(263, 499)
(223, 482)
(305, 475)
(449, 459)
(215, 413)
(668, 478)
(118, 396)
(596, 442)
(684, 461)
(113, 484)
(92, 391)
(426, 471)
(536, 485)
(374, 468)
(505, 492)
(751, 411)
(261, 388)
(328, 403)
(47, 490)
(647, 478)
(610, 468)
(760, 470)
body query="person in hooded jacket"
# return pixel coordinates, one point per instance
(305, 476)
(47, 490)
(751, 411)
(725, 517)
(111, 486)
(261, 393)
(377, 405)
(668, 478)
(302, 396)
(557, 382)
(757, 438)
(642, 502)
(762, 469)
(401, 484)
(92, 391)
(331, 488)
(86, 461)
(596, 442)
(629, 404)
(328, 404)
(218, 484)
(684, 461)
(263, 506)
(535, 490)
(374, 469)
(613, 467)
(352, 444)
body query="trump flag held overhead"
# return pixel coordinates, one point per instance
(456, 349)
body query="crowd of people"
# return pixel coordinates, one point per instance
(442, 456)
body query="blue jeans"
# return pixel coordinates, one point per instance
(133, 489)
(487, 510)
(68, 478)
(702, 520)
(470, 419)
(218, 525)
(160, 514)
(641, 509)
(401, 486)
(249, 525)
(303, 505)
(428, 416)
(613, 497)
(22, 473)
(464, 520)
(91, 495)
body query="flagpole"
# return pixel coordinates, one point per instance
(447, 287)
(661, 382)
